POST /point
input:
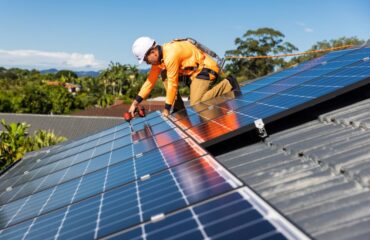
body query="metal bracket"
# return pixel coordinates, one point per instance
(261, 128)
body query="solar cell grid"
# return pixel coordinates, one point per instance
(270, 79)
(278, 97)
(229, 216)
(97, 176)
(52, 163)
(161, 193)
(183, 150)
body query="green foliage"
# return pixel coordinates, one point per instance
(260, 42)
(184, 91)
(120, 79)
(61, 100)
(43, 138)
(5, 103)
(26, 91)
(125, 99)
(66, 76)
(105, 100)
(15, 142)
(83, 100)
(35, 100)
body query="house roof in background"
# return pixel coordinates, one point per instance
(68, 126)
(118, 109)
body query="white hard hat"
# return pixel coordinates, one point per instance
(141, 47)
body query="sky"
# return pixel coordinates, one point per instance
(89, 34)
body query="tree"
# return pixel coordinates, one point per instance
(60, 99)
(43, 138)
(260, 42)
(5, 103)
(105, 100)
(13, 142)
(66, 76)
(36, 100)
(343, 41)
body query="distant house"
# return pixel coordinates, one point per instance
(72, 88)
(53, 83)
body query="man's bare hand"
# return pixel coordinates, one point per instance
(132, 108)
(165, 113)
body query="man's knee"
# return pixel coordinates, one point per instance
(193, 102)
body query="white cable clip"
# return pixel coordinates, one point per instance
(261, 128)
(157, 217)
(145, 177)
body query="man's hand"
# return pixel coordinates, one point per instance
(132, 108)
(165, 113)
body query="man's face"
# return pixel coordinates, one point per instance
(152, 57)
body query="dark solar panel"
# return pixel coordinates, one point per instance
(235, 215)
(275, 97)
(116, 180)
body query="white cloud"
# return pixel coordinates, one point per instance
(308, 30)
(305, 27)
(43, 59)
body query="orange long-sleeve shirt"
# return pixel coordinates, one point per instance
(177, 58)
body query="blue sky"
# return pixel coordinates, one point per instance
(88, 34)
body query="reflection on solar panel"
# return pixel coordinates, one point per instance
(276, 96)
(133, 183)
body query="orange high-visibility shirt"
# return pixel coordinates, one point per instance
(178, 58)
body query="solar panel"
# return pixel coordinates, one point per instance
(117, 180)
(269, 79)
(235, 215)
(275, 97)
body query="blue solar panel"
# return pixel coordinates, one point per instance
(231, 216)
(114, 181)
(267, 80)
(272, 99)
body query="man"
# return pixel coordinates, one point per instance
(179, 58)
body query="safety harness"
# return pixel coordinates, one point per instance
(204, 73)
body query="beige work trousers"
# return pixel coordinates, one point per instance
(199, 90)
